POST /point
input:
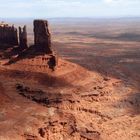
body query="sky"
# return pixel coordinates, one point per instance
(69, 8)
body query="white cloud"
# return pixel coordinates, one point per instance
(122, 1)
(109, 1)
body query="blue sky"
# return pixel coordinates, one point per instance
(69, 8)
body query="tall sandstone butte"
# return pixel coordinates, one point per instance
(42, 36)
(8, 34)
(23, 38)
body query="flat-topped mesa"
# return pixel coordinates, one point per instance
(8, 34)
(23, 38)
(42, 36)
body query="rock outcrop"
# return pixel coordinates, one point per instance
(42, 40)
(8, 34)
(23, 38)
(41, 53)
(42, 36)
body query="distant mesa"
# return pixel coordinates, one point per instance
(10, 35)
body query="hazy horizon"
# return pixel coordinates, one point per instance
(113, 17)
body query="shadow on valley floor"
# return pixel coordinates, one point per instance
(28, 53)
(131, 103)
(41, 78)
(120, 37)
(115, 61)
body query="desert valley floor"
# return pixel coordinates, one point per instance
(94, 94)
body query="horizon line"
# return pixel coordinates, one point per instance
(99, 17)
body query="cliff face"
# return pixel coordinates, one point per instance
(8, 34)
(42, 45)
(42, 36)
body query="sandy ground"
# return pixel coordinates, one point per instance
(94, 93)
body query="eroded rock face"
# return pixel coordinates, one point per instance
(8, 34)
(62, 123)
(23, 38)
(42, 36)
(41, 54)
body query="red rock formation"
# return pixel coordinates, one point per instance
(23, 38)
(8, 34)
(53, 61)
(41, 52)
(42, 36)
(42, 39)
